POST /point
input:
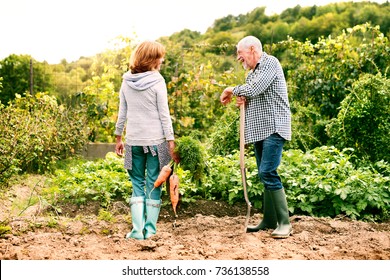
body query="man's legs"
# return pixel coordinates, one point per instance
(268, 157)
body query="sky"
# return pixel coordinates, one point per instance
(52, 30)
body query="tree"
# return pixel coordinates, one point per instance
(270, 32)
(306, 22)
(223, 43)
(100, 97)
(187, 37)
(291, 15)
(15, 71)
(320, 75)
(224, 24)
(258, 16)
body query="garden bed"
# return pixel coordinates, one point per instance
(203, 230)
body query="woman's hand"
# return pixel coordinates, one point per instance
(119, 147)
(175, 156)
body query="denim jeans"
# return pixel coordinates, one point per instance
(268, 154)
(144, 172)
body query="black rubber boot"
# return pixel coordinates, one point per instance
(284, 228)
(269, 215)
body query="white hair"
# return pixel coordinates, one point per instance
(250, 41)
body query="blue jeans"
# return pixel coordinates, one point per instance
(144, 172)
(268, 154)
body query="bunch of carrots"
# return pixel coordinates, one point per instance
(165, 173)
(192, 158)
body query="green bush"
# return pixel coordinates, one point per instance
(225, 137)
(321, 75)
(36, 132)
(364, 119)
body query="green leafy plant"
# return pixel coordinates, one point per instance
(192, 156)
(224, 138)
(364, 119)
(34, 134)
(105, 215)
(325, 182)
(103, 180)
(4, 229)
(224, 179)
(321, 75)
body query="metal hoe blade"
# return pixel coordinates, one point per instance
(242, 163)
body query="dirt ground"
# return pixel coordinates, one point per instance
(203, 230)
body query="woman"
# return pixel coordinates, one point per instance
(149, 134)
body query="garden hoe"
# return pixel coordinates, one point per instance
(242, 163)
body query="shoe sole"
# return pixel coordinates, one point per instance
(282, 236)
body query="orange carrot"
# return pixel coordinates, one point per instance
(174, 190)
(163, 176)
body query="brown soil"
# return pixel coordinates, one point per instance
(203, 230)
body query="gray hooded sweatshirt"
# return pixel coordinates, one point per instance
(144, 108)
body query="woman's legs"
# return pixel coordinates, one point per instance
(144, 172)
(153, 201)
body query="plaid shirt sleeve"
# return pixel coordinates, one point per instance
(268, 109)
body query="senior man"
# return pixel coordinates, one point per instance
(267, 126)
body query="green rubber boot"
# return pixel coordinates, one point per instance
(137, 207)
(269, 215)
(152, 212)
(284, 228)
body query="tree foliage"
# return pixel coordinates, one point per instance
(34, 134)
(363, 121)
(100, 96)
(15, 73)
(320, 76)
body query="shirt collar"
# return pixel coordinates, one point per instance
(263, 55)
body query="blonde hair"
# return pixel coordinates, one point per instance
(145, 56)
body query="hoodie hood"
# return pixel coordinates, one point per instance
(142, 81)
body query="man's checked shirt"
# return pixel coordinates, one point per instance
(267, 107)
